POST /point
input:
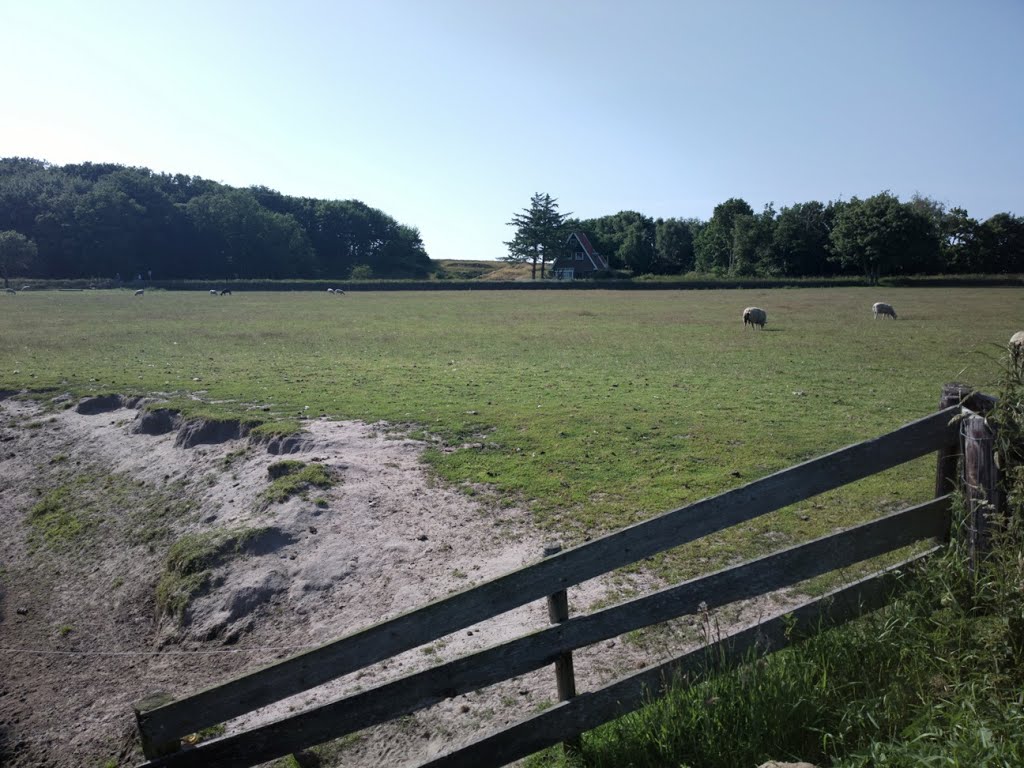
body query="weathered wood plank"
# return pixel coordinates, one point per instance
(409, 630)
(565, 677)
(416, 691)
(558, 612)
(949, 455)
(589, 710)
(981, 485)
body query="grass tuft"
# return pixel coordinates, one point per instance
(57, 520)
(189, 563)
(291, 477)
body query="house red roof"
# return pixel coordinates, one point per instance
(585, 242)
(596, 259)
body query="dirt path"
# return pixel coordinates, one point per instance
(80, 635)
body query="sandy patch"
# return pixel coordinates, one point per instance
(81, 641)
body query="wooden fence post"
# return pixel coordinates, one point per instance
(150, 748)
(979, 476)
(558, 611)
(981, 484)
(949, 455)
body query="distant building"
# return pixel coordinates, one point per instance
(579, 259)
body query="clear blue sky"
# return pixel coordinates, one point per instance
(450, 114)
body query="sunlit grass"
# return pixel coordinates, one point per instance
(595, 409)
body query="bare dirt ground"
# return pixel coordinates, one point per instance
(80, 635)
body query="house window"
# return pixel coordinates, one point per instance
(579, 255)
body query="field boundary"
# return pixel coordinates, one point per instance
(612, 284)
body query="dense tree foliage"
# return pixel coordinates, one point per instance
(673, 243)
(880, 235)
(873, 237)
(17, 252)
(801, 239)
(105, 220)
(714, 246)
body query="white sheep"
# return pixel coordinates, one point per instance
(11, 291)
(140, 291)
(881, 308)
(214, 292)
(330, 290)
(754, 316)
(338, 292)
(1017, 342)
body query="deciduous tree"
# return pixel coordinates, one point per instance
(801, 239)
(713, 247)
(1003, 240)
(673, 241)
(16, 254)
(881, 235)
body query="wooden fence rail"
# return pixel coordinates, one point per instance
(591, 709)
(161, 726)
(422, 689)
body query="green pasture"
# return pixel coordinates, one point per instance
(595, 409)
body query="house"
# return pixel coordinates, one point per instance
(578, 259)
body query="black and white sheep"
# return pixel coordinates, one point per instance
(754, 316)
(1017, 342)
(881, 308)
(140, 291)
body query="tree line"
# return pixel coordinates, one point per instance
(872, 237)
(107, 220)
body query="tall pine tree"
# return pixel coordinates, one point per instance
(540, 233)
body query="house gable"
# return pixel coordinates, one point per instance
(580, 256)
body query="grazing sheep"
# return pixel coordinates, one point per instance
(338, 292)
(226, 292)
(10, 290)
(881, 308)
(330, 290)
(1017, 342)
(755, 316)
(140, 291)
(214, 292)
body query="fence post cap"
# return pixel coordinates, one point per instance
(152, 701)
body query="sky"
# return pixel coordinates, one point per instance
(449, 115)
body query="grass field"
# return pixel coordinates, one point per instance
(596, 409)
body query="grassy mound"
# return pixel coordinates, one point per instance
(290, 478)
(189, 565)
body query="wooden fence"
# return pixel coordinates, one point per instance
(162, 723)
